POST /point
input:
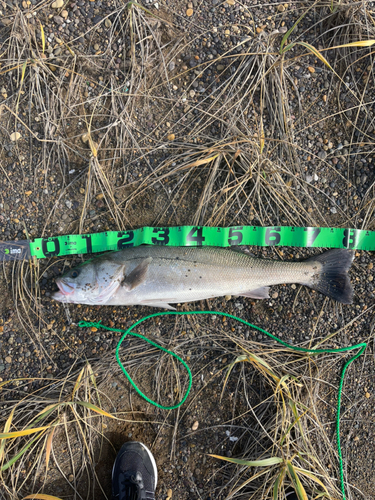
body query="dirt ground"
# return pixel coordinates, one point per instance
(169, 113)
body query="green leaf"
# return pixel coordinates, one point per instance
(43, 37)
(316, 53)
(7, 425)
(300, 490)
(311, 476)
(279, 481)
(41, 496)
(92, 407)
(290, 30)
(25, 432)
(20, 453)
(251, 463)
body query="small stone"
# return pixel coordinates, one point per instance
(367, 393)
(8, 359)
(275, 295)
(171, 137)
(356, 439)
(15, 136)
(96, 46)
(230, 2)
(259, 30)
(195, 426)
(58, 19)
(64, 14)
(71, 478)
(107, 23)
(325, 98)
(228, 297)
(57, 4)
(28, 193)
(192, 93)
(311, 69)
(171, 66)
(227, 32)
(169, 493)
(294, 286)
(82, 191)
(322, 154)
(220, 67)
(100, 196)
(370, 266)
(281, 8)
(189, 12)
(85, 137)
(93, 329)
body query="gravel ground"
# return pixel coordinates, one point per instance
(144, 128)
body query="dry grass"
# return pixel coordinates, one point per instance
(271, 399)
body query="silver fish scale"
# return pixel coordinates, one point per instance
(185, 274)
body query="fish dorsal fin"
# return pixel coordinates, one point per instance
(244, 249)
(258, 293)
(137, 276)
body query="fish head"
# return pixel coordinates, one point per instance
(93, 282)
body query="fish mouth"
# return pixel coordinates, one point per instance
(64, 288)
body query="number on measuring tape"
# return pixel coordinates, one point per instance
(48, 241)
(235, 235)
(126, 238)
(350, 238)
(196, 235)
(313, 234)
(87, 237)
(162, 237)
(273, 236)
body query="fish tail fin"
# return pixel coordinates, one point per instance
(332, 279)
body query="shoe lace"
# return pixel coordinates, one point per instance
(132, 487)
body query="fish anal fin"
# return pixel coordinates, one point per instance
(164, 305)
(258, 293)
(137, 276)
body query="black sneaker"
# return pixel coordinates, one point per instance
(291, 495)
(134, 474)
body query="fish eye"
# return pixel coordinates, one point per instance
(74, 274)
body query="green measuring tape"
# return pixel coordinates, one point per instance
(289, 236)
(362, 346)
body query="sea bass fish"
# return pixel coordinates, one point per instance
(160, 276)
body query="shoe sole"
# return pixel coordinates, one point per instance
(151, 456)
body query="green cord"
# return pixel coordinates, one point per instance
(362, 346)
(138, 335)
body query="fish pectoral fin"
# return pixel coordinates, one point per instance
(258, 293)
(137, 276)
(164, 305)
